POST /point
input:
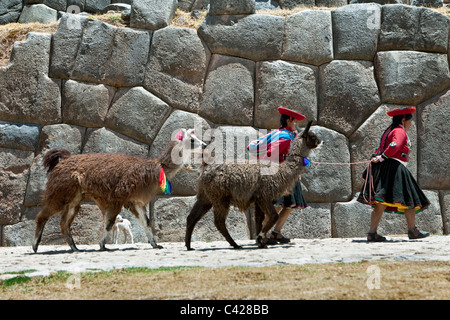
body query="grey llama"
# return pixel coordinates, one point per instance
(241, 185)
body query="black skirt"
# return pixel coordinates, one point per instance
(395, 187)
(294, 199)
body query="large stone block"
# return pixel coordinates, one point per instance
(14, 171)
(433, 119)
(10, 11)
(129, 55)
(413, 28)
(228, 95)
(256, 37)
(308, 37)
(327, 182)
(169, 221)
(445, 196)
(177, 67)
(152, 14)
(38, 13)
(65, 44)
(355, 31)
(59, 5)
(309, 223)
(137, 113)
(279, 83)
(27, 94)
(411, 77)
(94, 50)
(18, 136)
(106, 141)
(349, 94)
(86, 104)
(218, 7)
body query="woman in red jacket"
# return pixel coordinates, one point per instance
(395, 189)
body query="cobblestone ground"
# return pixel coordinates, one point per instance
(50, 259)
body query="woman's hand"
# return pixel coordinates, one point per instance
(377, 159)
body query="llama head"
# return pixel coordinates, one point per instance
(187, 135)
(305, 142)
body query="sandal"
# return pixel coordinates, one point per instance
(280, 240)
(415, 233)
(375, 237)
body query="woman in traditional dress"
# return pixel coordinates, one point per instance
(278, 143)
(394, 187)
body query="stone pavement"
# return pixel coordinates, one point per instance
(218, 254)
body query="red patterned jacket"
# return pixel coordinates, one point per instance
(395, 145)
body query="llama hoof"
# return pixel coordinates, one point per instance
(190, 249)
(237, 247)
(260, 243)
(35, 247)
(158, 247)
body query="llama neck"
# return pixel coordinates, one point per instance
(172, 159)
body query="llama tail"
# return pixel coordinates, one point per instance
(53, 157)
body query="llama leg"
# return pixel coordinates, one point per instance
(67, 218)
(259, 218)
(140, 213)
(200, 208)
(110, 215)
(272, 217)
(41, 220)
(220, 216)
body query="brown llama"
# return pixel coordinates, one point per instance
(113, 181)
(221, 185)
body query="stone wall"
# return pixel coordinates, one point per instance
(92, 87)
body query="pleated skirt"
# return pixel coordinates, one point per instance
(294, 199)
(395, 187)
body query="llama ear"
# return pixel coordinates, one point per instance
(305, 132)
(180, 135)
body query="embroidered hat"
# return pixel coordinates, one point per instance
(401, 111)
(291, 113)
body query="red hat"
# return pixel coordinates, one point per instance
(291, 113)
(402, 111)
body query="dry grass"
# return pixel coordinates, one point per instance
(398, 280)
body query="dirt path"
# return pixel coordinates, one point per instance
(219, 254)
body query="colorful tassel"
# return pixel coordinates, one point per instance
(165, 185)
(306, 162)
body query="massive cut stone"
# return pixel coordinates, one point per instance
(355, 31)
(137, 113)
(152, 14)
(94, 51)
(177, 67)
(129, 55)
(279, 83)
(412, 28)
(27, 94)
(256, 37)
(228, 95)
(325, 182)
(14, 171)
(218, 7)
(86, 104)
(433, 123)
(38, 13)
(349, 94)
(308, 37)
(411, 77)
